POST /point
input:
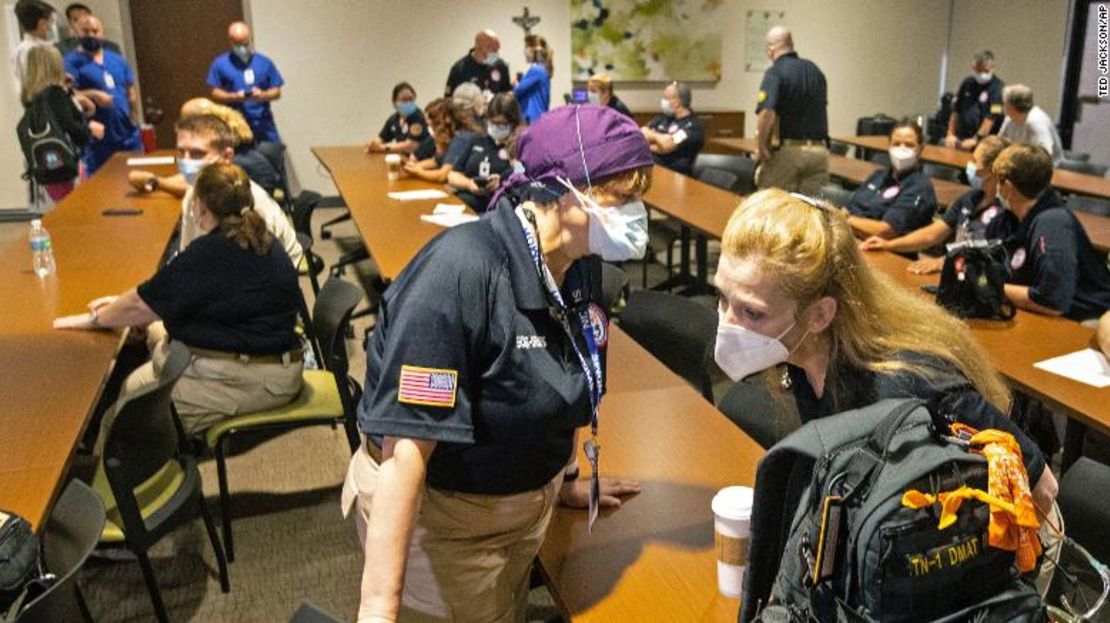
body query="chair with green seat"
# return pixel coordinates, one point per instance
(149, 484)
(329, 396)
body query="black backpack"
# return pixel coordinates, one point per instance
(831, 540)
(51, 154)
(22, 577)
(972, 282)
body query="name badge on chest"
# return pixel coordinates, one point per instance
(248, 75)
(483, 168)
(891, 192)
(109, 81)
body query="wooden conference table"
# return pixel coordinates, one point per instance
(857, 171)
(1062, 179)
(52, 379)
(652, 559)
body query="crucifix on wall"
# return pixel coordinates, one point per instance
(526, 21)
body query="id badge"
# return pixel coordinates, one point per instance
(109, 81)
(593, 451)
(483, 169)
(248, 76)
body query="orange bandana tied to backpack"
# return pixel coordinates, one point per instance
(1013, 523)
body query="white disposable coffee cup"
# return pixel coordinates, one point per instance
(732, 529)
(393, 163)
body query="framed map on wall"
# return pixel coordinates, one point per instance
(647, 40)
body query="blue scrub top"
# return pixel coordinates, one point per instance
(113, 76)
(231, 74)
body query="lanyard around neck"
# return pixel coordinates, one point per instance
(591, 361)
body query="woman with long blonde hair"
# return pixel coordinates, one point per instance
(798, 302)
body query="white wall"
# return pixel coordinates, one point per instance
(1027, 38)
(340, 58)
(13, 192)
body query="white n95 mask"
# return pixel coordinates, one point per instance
(617, 233)
(742, 352)
(902, 158)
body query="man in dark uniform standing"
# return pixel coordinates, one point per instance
(792, 106)
(676, 136)
(483, 66)
(978, 110)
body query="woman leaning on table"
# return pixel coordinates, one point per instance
(488, 356)
(231, 296)
(799, 302)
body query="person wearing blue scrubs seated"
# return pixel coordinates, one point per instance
(247, 81)
(105, 78)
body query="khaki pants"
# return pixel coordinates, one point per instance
(213, 389)
(470, 556)
(795, 168)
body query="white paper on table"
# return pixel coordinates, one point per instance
(1086, 366)
(414, 195)
(448, 220)
(449, 208)
(149, 161)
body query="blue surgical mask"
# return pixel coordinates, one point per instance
(973, 176)
(189, 168)
(405, 108)
(594, 97)
(499, 132)
(665, 106)
(983, 77)
(491, 58)
(242, 51)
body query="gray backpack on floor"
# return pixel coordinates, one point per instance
(831, 540)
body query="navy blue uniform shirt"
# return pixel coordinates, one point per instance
(467, 353)
(970, 222)
(858, 388)
(493, 78)
(1051, 253)
(905, 201)
(483, 159)
(413, 127)
(688, 133)
(796, 90)
(975, 102)
(616, 104)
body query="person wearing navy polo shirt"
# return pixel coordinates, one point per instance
(899, 199)
(105, 78)
(978, 109)
(1054, 269)
(247, 81)
(482, 66)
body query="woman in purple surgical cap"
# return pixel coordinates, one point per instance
(488, 357)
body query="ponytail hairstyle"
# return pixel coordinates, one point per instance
(225, 191)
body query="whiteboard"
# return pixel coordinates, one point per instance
(758, 22)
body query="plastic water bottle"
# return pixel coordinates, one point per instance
(41, 249)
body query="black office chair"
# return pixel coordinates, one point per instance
(310, 613)
(745, 177)
(71, 533)
(941, 172)
(749, 405)
(148, 483)
(1093, 205)
(678, 331)
(1082, 503)
(275, 153)
(725, 180)
(840, 149)
(835, 194)
(1086, 168)
(726, 162)
(312, 265)
(328, 397)
(1077, 156)
(614, 289)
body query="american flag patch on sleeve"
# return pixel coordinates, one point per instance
(431, 387)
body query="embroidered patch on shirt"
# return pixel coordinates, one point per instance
(679, 137)
(996, 109)
(416, 129)
(1041, 244)
(1018, 260)
(599, 322)
(433, 387)
(891, 192)
(762, 97)
(983, 97)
